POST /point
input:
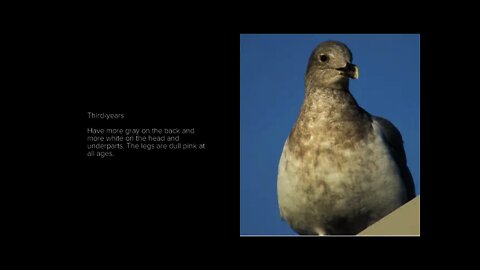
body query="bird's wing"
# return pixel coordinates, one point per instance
(393, 138)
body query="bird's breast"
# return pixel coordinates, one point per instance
(334, 170)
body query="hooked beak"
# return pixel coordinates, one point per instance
(350, 70)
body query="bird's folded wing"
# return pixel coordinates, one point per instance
(394, 140)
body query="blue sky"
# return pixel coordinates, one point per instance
(272, 69)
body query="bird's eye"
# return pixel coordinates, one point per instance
(323, 58)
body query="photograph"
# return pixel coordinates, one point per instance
(330, 134)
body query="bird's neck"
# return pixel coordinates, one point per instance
(329, 115)
(329, 105)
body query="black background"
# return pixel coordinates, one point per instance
(157, 80)
(189, 77)
(180, 66)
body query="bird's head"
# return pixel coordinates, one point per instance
(330, 65)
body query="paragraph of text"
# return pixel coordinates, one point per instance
(108, 142)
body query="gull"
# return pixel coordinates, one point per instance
(341, 169)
